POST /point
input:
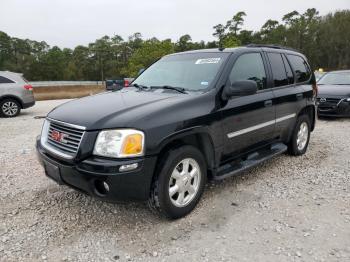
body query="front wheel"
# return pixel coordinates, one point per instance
(300, 137)
(180, 182)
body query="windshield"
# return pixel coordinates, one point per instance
(318, 75)
(335, 79)
(191, 72)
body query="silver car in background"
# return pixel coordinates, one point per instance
(15, 94)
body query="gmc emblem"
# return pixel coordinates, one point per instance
(59, 137)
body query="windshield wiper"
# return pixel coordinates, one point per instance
(141, 87)
(178, 89)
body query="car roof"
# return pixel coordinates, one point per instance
(17, 77)
(9, 73)
(252, 47)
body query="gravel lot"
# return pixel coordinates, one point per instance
(288, 209)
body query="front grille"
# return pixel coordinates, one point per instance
(64, 138)
(328, 102)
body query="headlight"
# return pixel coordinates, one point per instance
(120, 143)
(348, 99)
(44, 132)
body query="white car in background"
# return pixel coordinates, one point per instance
(15, 94)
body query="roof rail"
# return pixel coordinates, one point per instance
(272, 46)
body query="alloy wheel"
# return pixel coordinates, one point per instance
(10, 108)
(184, 182)
(303, 135)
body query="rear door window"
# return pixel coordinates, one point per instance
(249, 67)
(278, 70)
(301, 68)
(4, 80)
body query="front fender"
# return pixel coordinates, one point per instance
(181, 134)
(199, 136)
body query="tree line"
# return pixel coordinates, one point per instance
(325, 40)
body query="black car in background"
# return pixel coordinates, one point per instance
(112, 85)
(318, 75)
(334, 94)
(189, 117)
(117, 84)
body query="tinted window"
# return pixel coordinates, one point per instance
(4, 80)
(288, 70)
(249, 67)
(301, 68)
(278, 71)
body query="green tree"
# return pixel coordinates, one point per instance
(219, 33)
(325, 40)
(235, 24)
(149, 52)
(184, 43)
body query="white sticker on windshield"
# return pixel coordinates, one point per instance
(213, 60)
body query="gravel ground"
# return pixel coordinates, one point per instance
(288, 209)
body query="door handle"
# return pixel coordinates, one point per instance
(268, 103)
(300, 96)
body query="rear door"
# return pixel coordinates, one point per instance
(248, 120)
(289, 72)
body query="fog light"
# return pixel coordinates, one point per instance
(106, 186)
(129, 167)
(101, 187)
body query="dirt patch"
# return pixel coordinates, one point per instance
(66, 92)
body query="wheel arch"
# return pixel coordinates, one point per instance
(198, 137)
(12, 97)
(309, 110)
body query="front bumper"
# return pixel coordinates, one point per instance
(88, 175)
(341, 109)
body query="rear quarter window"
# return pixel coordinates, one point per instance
(4, 80)
(301, 68)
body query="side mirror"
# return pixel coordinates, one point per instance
(240, 88)
(141, 71)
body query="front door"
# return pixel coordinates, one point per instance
(248, 120)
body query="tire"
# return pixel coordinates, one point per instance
(184, 185)
(300, 137)
(9, 107)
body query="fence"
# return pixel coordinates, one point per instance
(65, 83)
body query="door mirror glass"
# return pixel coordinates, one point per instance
(240, 88)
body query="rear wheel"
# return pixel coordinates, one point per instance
(9, 108)
(180, 182)
(300, 137)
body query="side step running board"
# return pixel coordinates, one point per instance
(250, 161)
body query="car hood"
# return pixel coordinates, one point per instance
(334, 90)
(113, 109)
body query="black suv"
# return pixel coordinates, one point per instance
(189, 117)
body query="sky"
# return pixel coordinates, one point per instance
(68, 23)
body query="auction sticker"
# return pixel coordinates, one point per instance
(213, 60)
